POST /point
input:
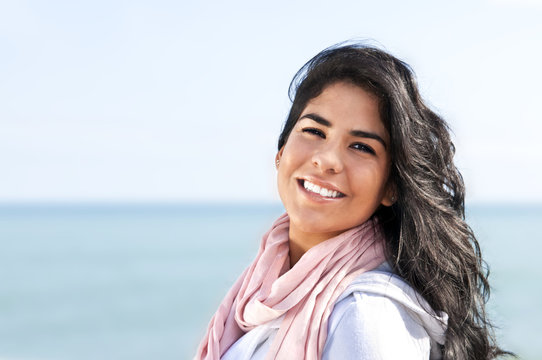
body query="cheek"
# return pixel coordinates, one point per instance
(295, 153)
(370, 182)
(292, 159)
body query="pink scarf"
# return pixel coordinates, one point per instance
(305, 294)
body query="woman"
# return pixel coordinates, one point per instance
(373, 258)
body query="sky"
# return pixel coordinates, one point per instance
(178, 101)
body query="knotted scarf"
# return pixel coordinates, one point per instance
(304, 294)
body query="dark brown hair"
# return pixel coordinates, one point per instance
(429, 244)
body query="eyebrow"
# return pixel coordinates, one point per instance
(358, 133)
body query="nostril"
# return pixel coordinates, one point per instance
(328, 161)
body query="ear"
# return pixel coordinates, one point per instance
(390, 195)
(278, 157)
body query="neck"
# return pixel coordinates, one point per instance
(300, 242)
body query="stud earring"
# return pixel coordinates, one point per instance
(393, 198)
(277, 162)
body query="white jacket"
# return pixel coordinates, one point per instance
(378, 317)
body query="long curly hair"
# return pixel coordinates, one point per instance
(428, 242)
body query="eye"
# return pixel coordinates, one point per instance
(314, 131)
(363, 147)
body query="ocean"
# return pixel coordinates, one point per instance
(110, 281)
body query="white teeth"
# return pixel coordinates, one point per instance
(320, 190)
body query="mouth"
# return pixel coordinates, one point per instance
(320, 190)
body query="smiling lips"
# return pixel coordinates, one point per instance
(322, 191)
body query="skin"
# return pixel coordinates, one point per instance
(340, 143)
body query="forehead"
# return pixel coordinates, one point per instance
(347, 105)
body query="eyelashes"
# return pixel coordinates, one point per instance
(356, 146)
(363, 147)
(314, 131)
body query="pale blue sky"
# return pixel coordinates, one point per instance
(178, 101)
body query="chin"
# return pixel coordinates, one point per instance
(317, 226)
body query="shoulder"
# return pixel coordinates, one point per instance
(380, 316)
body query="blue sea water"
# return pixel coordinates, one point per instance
(142, 281)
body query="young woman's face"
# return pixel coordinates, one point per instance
(333, 170)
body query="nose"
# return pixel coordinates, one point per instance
(328, 159)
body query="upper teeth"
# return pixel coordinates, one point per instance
(320, 190)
